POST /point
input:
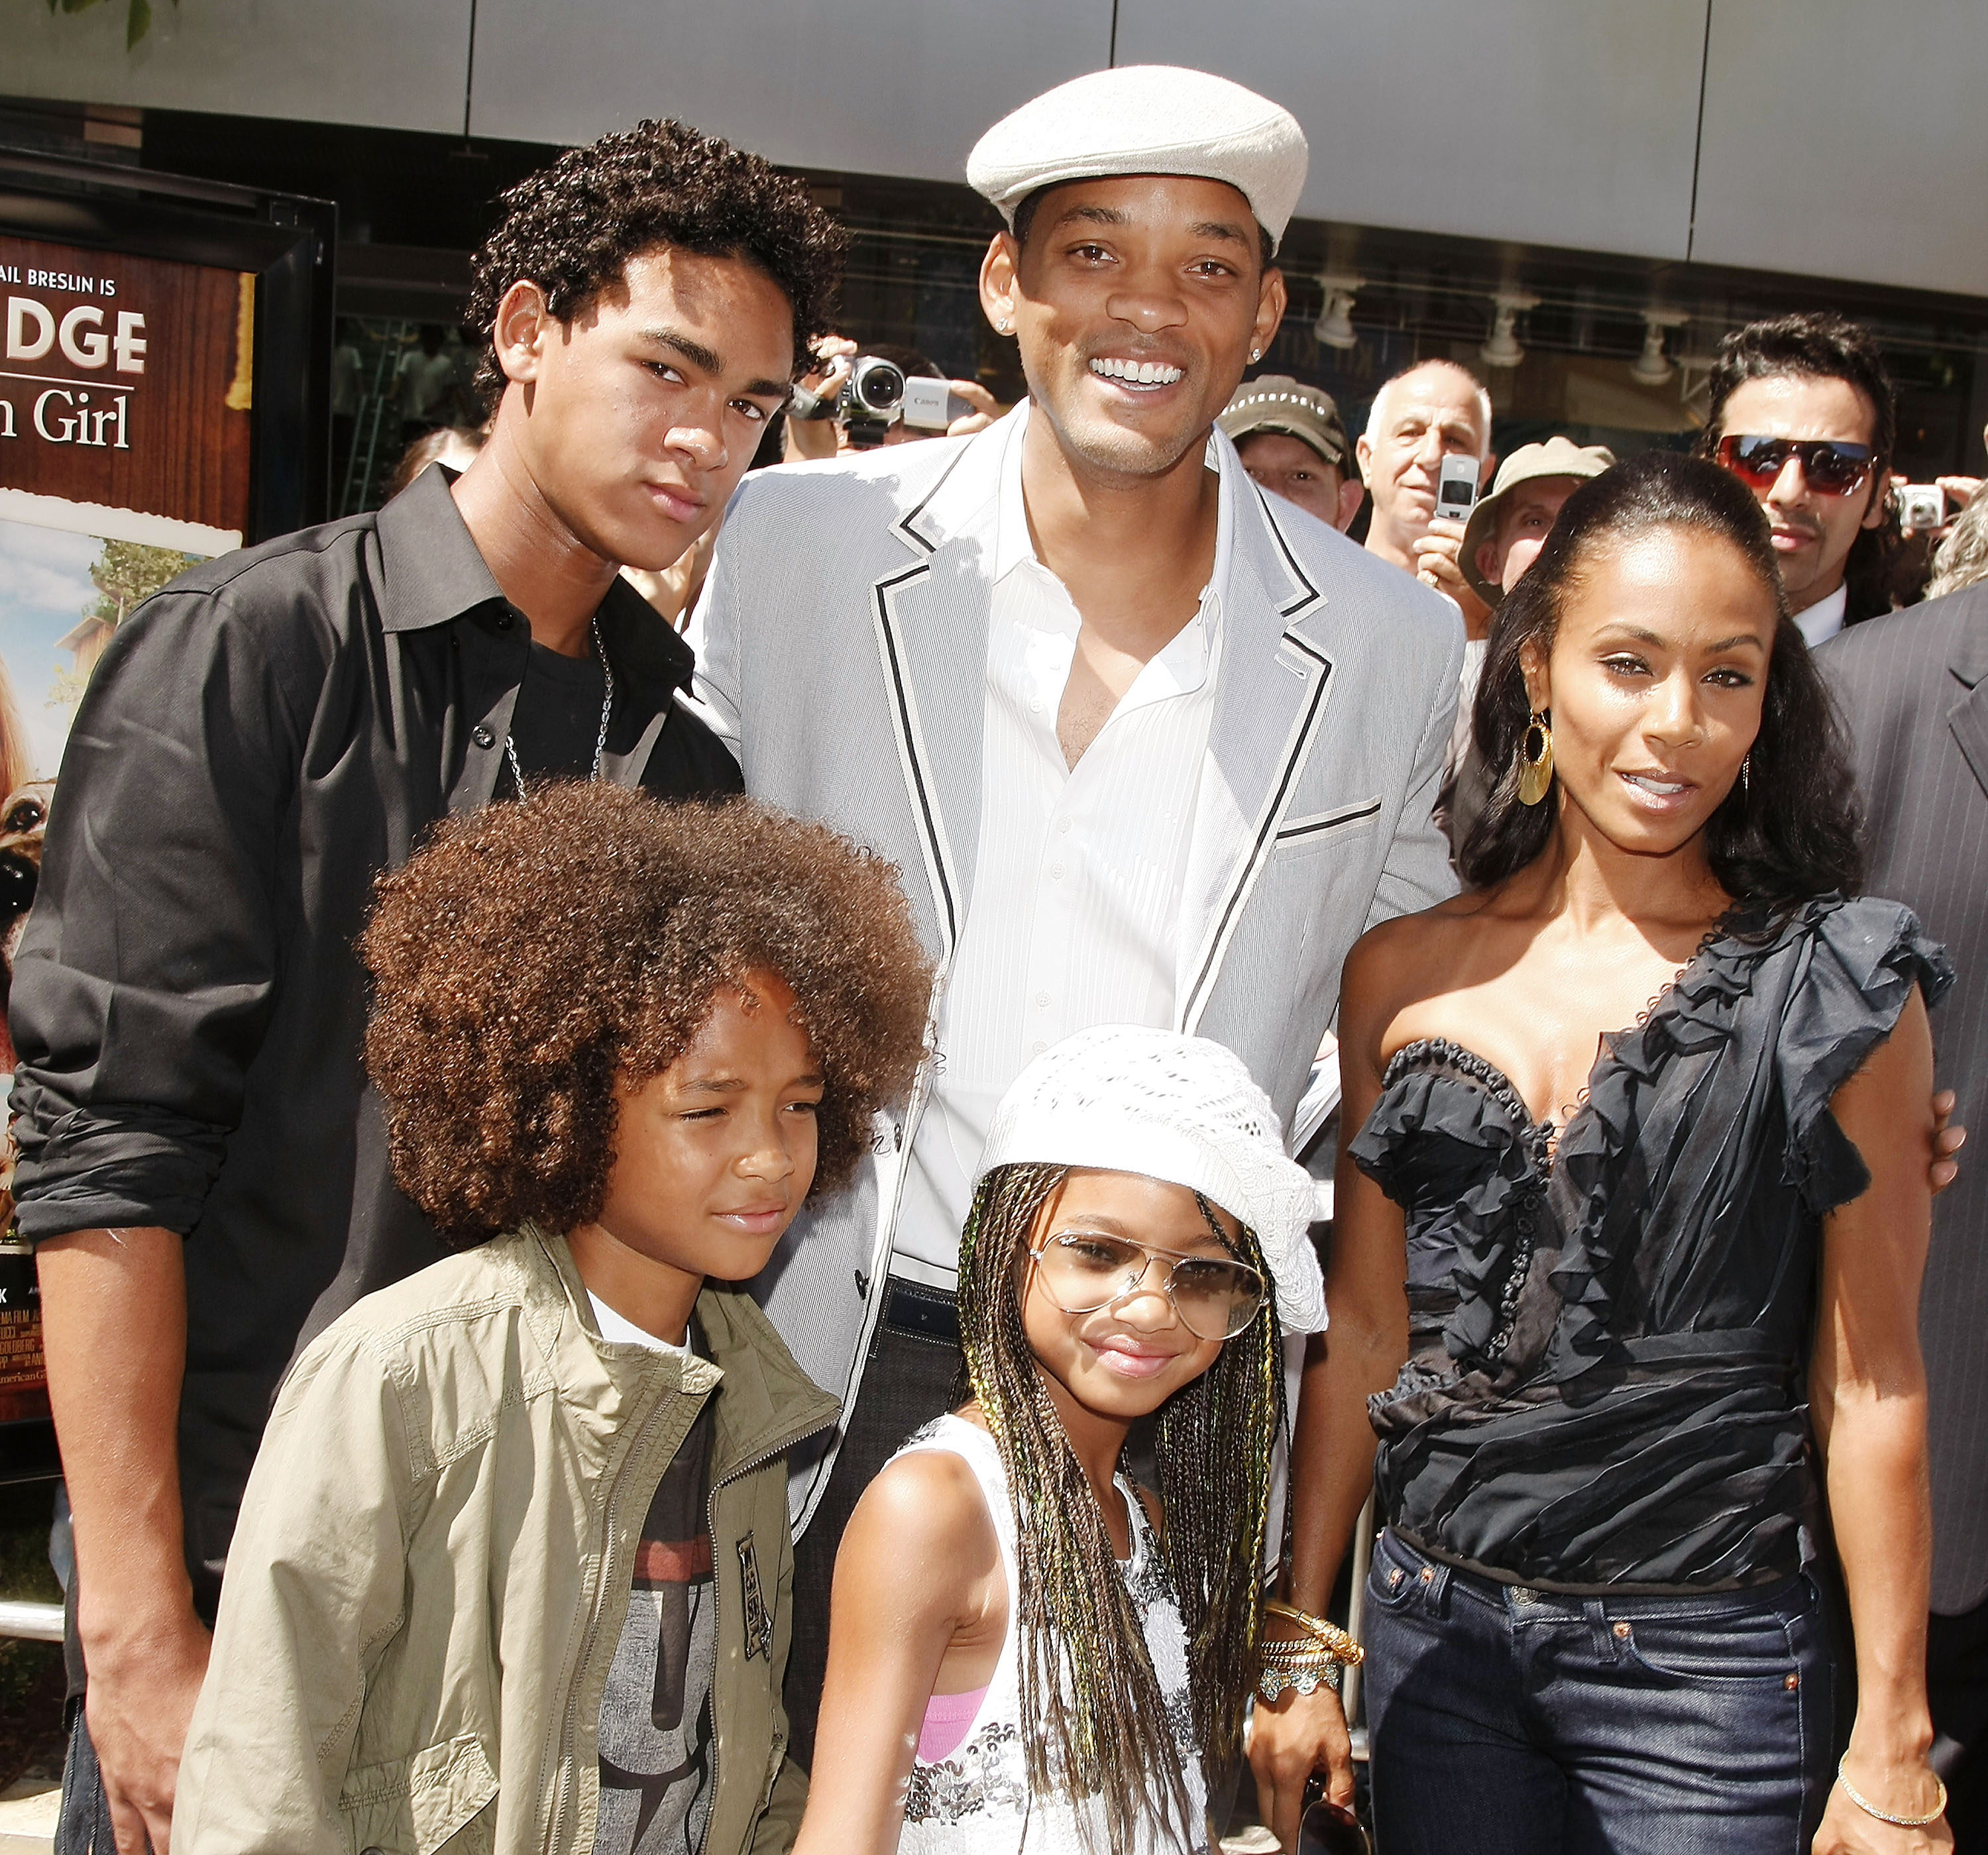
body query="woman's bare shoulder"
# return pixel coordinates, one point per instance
(927, 1504)
(1399, 952)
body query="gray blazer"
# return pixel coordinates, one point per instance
(1914, 688)
(842, 648)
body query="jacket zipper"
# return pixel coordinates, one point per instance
(564, 1794)
(711, 1527)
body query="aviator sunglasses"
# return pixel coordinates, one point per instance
(1830, 467)
(1084, 1270)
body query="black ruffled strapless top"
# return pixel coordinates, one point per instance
(1610, 1333)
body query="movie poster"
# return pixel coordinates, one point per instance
(125, 388)
(126, 385)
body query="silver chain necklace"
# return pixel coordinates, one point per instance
(607, 709)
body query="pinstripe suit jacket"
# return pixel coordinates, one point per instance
(842, 648)
(1914, 688)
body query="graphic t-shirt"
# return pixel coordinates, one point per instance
(656, 1729)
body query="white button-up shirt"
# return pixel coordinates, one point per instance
(1075, 917)
(1824, 619)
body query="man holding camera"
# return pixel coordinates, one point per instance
(858, 398)
(1146, 750)
(1432, 410)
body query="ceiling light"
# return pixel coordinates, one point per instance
(1335, 328)
(1503, 349)
(1651, 368)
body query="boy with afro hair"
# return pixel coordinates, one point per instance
(203, 1170)
(512, 1571)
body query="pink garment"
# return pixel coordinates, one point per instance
(948, 1718)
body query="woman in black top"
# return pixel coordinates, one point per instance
(1658, 1343)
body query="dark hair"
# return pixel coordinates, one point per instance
(531, 955)
(1788, 832)
(571, 228)
(1104, 1730)
(1821, 344)
(1025, 217)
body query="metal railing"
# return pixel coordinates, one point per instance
(39, 1622)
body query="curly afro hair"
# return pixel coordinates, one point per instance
(572, 227)
(531, 955)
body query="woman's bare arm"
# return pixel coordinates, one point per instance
(1866, 1391)
(1332, 1454)
(918, 1566)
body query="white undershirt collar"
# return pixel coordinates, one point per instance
(1821, 621)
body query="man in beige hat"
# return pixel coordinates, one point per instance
(1501, 540)
(1292, 442)
(1148, 747)
(1507, 529)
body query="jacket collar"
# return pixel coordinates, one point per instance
(1968, 718)
(768, 1402)
(1269, 706)
(1969, 661)
(933, 615)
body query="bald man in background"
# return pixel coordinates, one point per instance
(1433, 408)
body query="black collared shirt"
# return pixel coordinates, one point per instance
(259, 741)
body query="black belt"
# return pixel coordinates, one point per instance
(924, 1313)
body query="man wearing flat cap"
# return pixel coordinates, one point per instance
(1292, 442)
(1149, 747)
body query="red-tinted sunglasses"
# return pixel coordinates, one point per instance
(1833, 468)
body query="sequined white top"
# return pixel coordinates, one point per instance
(976, 1801)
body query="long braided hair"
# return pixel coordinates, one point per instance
(1085, 1673)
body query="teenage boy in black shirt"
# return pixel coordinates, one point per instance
(202, 1172)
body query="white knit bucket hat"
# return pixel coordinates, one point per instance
(1122, 1098)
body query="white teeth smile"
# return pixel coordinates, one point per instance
(1136, 372)
(1660, 788)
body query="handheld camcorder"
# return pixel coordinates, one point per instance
(875, 395)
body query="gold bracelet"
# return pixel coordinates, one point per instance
(1334, 1640)
(1871, 1810)
(1310, 1656)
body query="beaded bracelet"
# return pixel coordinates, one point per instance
(1871, 1810)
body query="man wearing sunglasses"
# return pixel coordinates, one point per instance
(1802, 413)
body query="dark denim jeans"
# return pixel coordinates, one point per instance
(1511, 1722)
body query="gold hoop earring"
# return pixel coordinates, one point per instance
(1535, 767)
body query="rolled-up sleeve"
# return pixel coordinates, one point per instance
(141, 990)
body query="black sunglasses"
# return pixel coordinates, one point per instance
(1833, 468)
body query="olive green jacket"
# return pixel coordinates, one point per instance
(427, 1586)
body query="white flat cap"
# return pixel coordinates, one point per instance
(1146, 118)
(1122, 1098)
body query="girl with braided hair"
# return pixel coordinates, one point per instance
(1027, 1652)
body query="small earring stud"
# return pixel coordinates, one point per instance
(1255, 354)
